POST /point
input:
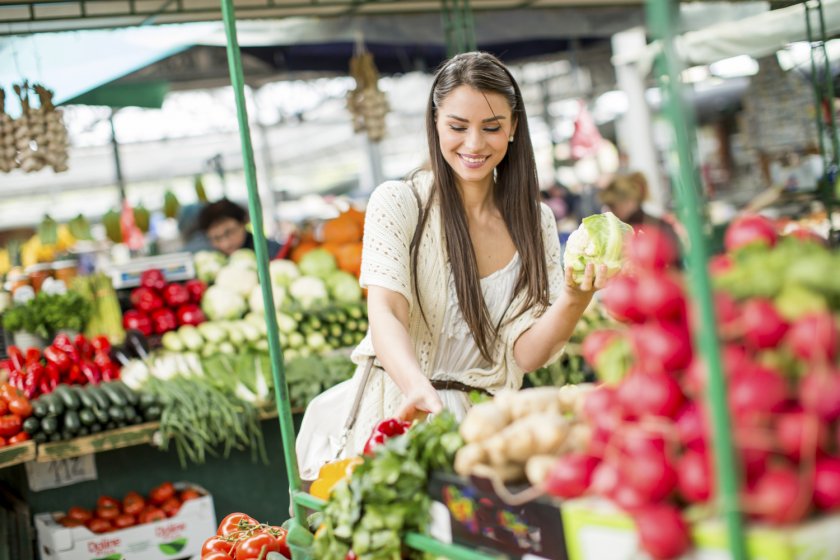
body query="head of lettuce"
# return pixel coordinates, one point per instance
(599, 240)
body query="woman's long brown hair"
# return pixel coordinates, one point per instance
(516, 195)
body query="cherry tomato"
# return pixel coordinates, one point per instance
(99, 525)
(79, 514)
(216, 556)
(107, 502)
(190, 494)
(171, 507)
(108, 513)
(161, 493)
(124, 520)
(256, 547)
(151, 514)
(133, 503)
(19, 438)
(20, 406)
(216, 544)
(235, 522)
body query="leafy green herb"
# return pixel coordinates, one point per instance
(46, 314)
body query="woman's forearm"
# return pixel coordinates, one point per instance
(394, 350)
(550, 332)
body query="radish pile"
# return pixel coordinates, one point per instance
(651, 452)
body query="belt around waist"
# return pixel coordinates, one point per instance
(448, 385)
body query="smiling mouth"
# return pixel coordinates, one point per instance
(473, 159)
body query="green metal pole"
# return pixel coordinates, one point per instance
(281, 390)
(458, 26)
(429, 544)
(829, 87)
(664, 21)
(816, 85)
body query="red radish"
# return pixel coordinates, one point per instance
(726, 311)
(628, 498)
(691, 426)
(754, 453)
(660, 296)
(719, 264)
(619, 299)
(819, 392)
(601, 407)
(595, 342)
(806, 235)
(814, 338)
(756, 389)
(778, 498)
(762, 325)
(650, 473)
(571, 475)
(630, 392)
(827, 483)
(733, 358)
(694, 477)
(651, 249)
(638, 439)
(801, 434)
(748, 230)
(662, 347)
(663, 532)
(605, 479)
(657, 394)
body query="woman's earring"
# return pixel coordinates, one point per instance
(510, 139)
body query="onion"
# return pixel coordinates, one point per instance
(819, 392)
(663, 532)
(814, 338)
(748, 230)
(777, 496)
(827, 483)
(762, 325)
(660, 296)
(619, 299)
(662, 347)
(756, 389)
(694, 480)
(651, 249)
(571, 475)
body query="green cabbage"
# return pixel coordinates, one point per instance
(318, 262)
(599, 240)
(344, 287)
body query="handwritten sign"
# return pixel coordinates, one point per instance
(60, 473)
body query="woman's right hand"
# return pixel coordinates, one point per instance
(419, 402)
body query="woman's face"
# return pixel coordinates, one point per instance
(226, 235)
(473, 130)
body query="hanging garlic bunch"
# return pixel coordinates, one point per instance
(7, 137)
(55, 145)
(366, 103)
(30, 127)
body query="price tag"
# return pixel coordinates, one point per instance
(63, 472)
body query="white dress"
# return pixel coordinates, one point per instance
(457, 353)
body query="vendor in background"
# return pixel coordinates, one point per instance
(624, 196)
(223, 222)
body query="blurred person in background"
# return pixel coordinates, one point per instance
(624, 196)
(224, 223)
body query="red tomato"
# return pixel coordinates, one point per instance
(171, 506)
(68, 522)
(133, 503)
(79, 514)
(280, 534)
(124, 520)
(151, 514)
(9, 425)
(217, 544)
(4, 406)
(235, 522)
(7, 391)
(107, 502)
(161, 493)
(20, 406)
(19, 438)
(256, 547)
(99, 525)
(108, 513)
(215, 556)
(190, 494)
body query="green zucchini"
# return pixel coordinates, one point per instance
(86, 400)
(114, 395)
(101, 415)
(129, 413)
(87, 417)
(54, 437)
(71, 421)
(147, 400)
(100, 398)
(83, 431)
(109, 426)
(40, 437)
(116, 413)
(66, 435)
(95, 428)
(55, 405)
(39, 408)
(128, 394)
(68, 396)
(49, 424)
(152, 414)
(31, 425)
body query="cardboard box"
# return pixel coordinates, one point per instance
(176, 538)
(597, 530)
(479, 519)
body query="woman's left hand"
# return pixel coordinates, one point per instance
(594, 278)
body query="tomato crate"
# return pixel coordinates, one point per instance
(178, 538)
(598, 530)
(468, 512)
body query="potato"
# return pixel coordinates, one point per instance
(482, 421)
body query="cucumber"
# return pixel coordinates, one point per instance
(147, 400)
(39, 408)
(68, 396)
(101, 415)
(71, 422)
(100, 398)
(129, 413)
(49, 424)
(54, 437)
(152, 414)
(55, 405)
(95, 428)
(31, 425)
(109, 426)
(116, 413)
(40, 437)
(114, 395)
(87, 417)
(66, 435)
(128, 394)
(83, 431)
(86, 400)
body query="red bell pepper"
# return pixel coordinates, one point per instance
(137, 320)
(101, 359)
(16, 360)
(190, 314)
(34, 374)
(91, 372)
(175, 295)
(163, 320)
(50, 379)
(101, 344)
(75, 376)
(17, 378)
(57, 358)
(384, 431)
(146, 299)
(110, 372)
(33, 356)
(83, 347)
(63, 342)
(196, 288)
(153, 279)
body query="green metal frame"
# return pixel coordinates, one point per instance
(458, 26)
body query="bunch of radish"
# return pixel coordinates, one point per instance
(651, 450)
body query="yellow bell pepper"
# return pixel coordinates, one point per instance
(331, 474)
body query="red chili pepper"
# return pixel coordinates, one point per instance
(75, 376)
(53, 375)
(101, 343)
(83, 346)
(384, 431)
(153, 279)
(63, 343)
(58, 358)
(91, 372)
(34, 375)
(16, 358)
(101, 360)
(110, 372)
(17, 378)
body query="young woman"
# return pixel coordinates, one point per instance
(462, 266)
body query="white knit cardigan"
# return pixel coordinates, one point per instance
(390, 222)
